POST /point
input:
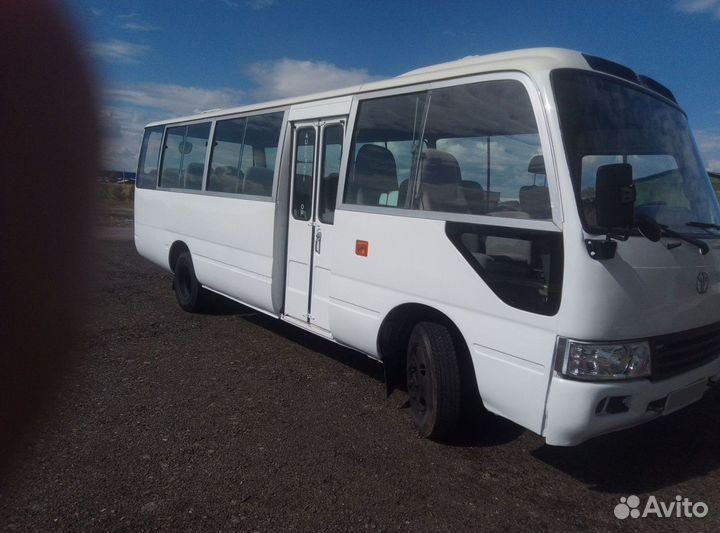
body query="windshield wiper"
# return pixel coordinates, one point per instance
(702, 246)
(704, 225)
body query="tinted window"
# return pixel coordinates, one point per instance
(227, 156)
(303, 180)
(244, 151)
(384, 148)
(605, 121)
(184, 156)
(149, 157)
(524, 268)
(463, 149)
(332, 152)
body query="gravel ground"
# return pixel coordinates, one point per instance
(228, 421)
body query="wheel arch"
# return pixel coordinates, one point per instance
(393, 337)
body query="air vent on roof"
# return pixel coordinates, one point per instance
(616, 69)
(657, 87)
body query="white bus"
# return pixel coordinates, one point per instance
(535, 227)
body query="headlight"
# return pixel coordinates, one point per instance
(606, 361)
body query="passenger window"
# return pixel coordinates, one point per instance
(184, 156)
(332, 152)
(262, 133)
(385, 145)
(149, 156)
(225, 175)
(239, 163)
(524, 268)
(481, 139)
(472, 149)
(172, 157)
(303, 180)
(194, 152)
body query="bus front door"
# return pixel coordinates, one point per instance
(317, 149)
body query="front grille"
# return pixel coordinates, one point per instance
(676, 353)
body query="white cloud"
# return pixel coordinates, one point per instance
(173, 99)
(708, 142)
(129, 108)
(117, 51)
(139, 26)
(122, 133)
(290, 77)
(699, 6)
(95, 12)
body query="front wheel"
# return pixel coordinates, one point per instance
(433, 380)
(189, 293)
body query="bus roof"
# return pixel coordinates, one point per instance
(527, 60)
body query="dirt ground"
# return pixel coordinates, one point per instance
(233, 421)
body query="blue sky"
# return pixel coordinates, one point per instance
(155, 59)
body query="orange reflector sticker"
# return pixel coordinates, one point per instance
(361, 248)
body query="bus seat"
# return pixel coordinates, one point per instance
(224, 179)
(258, 181)
(475, 196)
(441, 180)
(535, 200)
(170, 178)
(375, 174)
(194, 176)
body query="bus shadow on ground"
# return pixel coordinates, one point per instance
(220, 305)
(661, 453)
(477, 428)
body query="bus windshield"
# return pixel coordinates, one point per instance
(606, 121)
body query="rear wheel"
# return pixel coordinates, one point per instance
(433, 380)
(188, 291)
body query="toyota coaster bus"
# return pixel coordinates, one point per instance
(534, 227)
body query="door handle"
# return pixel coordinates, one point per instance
(318, 240)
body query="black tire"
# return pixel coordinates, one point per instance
(433, 381)
(189, 293)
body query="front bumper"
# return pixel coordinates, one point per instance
(572, 415)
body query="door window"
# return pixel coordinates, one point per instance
(303, 182)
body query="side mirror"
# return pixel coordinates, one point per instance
(615, 197)
(185, 147)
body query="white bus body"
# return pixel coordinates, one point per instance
(447, 222)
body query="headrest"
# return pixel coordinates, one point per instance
(537, 165)
(259, 175)
(440, 168)
(375, 168)
(196, 169)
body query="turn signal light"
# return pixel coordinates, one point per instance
(361, 248)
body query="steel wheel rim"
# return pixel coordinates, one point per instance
(419, 382)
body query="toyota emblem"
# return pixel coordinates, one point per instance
(702, 284)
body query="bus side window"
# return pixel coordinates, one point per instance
(239, 161)
(225, 174)
(523, 268)
(149, 158)
(332, 152)
(262, 135)
(184, 152)
(384, 150)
